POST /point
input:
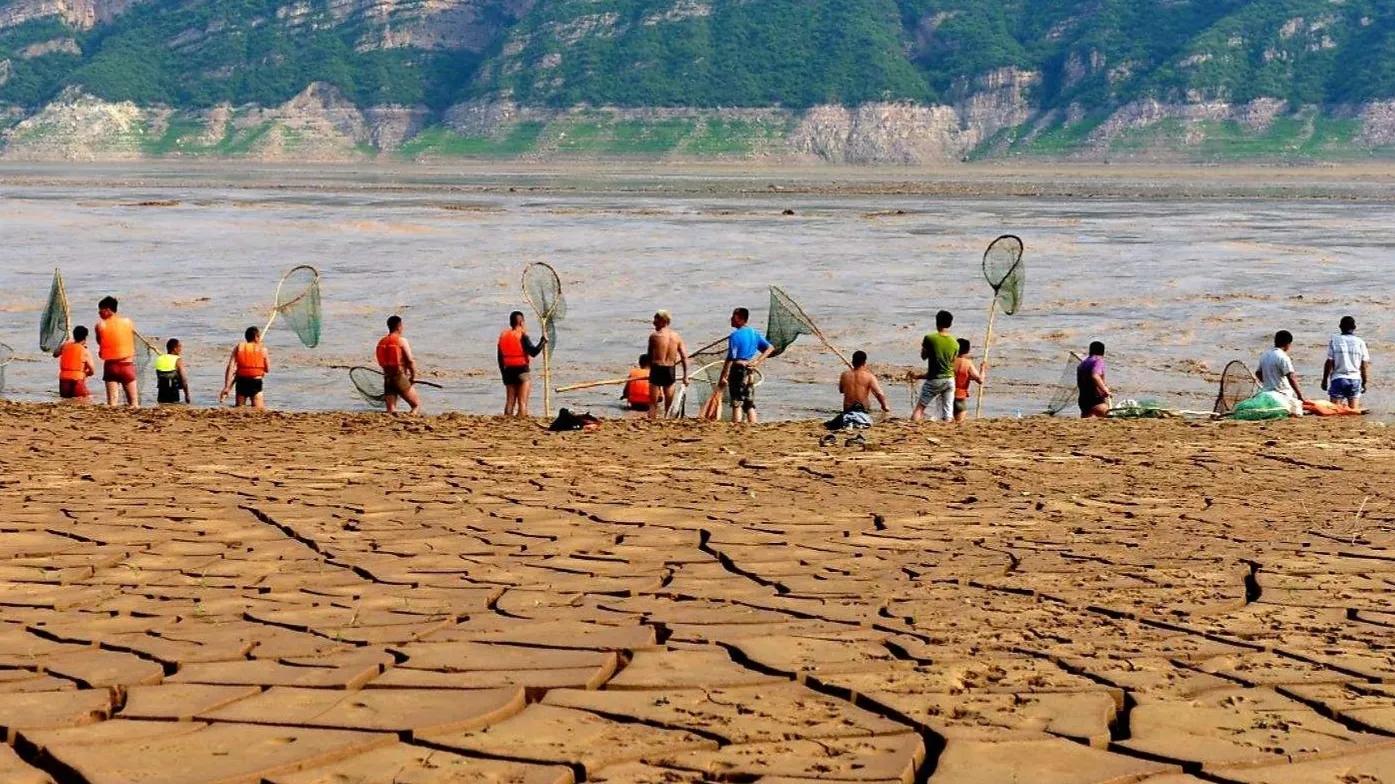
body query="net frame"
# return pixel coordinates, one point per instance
(1067, 390)
(369, 384)
(309, 328)
(146, 352)
(781, 301)
(53, 332)
(542, 289)
(1237, 384)
(1004, 270)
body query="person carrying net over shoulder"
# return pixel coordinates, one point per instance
(246, 372)
(399, 368)
(515, 353)
(746, 349)
(75, 366)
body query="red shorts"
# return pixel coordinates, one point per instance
(73, 389)
(119, 371)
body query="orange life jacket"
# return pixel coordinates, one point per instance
(390, 352)
(251, 360)
(511, 349)
(637, 388)
(71, 365)
(118, 338)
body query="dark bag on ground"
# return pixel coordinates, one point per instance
(855, 417)
(566, 421)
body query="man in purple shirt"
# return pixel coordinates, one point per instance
(1089, 380)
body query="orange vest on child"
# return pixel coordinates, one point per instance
(637, 388)
(390, 352)
(251, 360)
(71, 365)
(511, 349)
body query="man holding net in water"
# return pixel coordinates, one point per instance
(399, 368)
(666, 351)
(516, 351)
(246, 372)
(746, 349)
(116, 347)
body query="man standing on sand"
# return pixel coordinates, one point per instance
(1089, 381)
(1348, 366)
(666, 350)
(399, 368)
(746, 349)
(515, 352)
(859, 385)
(939, 349)
(75, 366)
(246, 372)
(116, 347)
(1275, 371)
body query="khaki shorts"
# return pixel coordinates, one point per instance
(396, 383)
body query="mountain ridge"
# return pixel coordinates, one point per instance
(896, 81)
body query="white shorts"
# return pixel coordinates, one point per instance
(937, 398)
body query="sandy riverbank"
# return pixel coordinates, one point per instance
(334, 598)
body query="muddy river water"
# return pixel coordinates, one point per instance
(1175, 286)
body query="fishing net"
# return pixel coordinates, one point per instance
(298, 304)
(543, 290)
(1066, 391)
(369, 383)
(1237, 385)
(146, 352)
(1005, 272)
(787, 322)
(6, 355)
(55, 324)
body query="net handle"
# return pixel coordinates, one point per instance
(987, 347)
(544, 318)
(278, 307)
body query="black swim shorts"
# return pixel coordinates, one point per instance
(662, 375)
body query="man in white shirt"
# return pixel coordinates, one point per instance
(1348, 364)
(1275, 372)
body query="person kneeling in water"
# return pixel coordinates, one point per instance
(170, 377)
(637, 392)
(75, 366)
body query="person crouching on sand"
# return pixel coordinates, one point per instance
(116, 346)
(75, 366)
(636, 393)
(1089, 382)
(247, 369)
(399, 368)
(859, 386)
(516, 351)
(965, 373)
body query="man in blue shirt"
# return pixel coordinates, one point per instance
(746, 349)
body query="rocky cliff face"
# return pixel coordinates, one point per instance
(82, 14)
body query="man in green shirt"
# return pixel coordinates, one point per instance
(939, 349)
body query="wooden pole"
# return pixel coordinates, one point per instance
(987, 345)
(547, 372)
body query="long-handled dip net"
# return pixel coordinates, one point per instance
(146, 352)
(56, 323)
(1237, 384)
(7, 356)
(787, 321)
(543, 290)
(1006, 272)
(369, 384)
(1065, 391)
(298, 304)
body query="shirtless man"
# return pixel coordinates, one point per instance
(666, 349)
(859, 385)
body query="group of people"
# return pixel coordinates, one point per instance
(653, 386)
